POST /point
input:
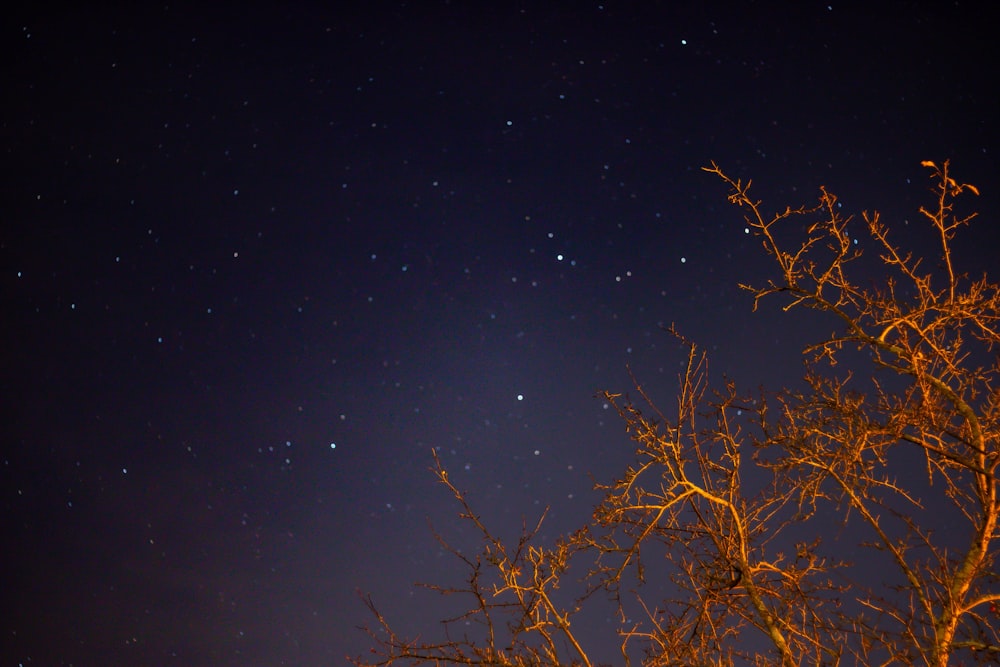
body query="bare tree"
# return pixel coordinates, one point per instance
(849, 520)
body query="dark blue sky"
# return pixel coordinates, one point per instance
(258, 260)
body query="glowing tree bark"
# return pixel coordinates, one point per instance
(718, 537)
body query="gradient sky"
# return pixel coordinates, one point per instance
(257, 260)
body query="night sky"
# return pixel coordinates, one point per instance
(256, 261)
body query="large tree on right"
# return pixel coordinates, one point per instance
(848, 519)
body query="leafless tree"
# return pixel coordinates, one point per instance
(850, 519)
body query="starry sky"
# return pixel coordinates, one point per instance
(257, 260)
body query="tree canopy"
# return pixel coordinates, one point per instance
(848, 519)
